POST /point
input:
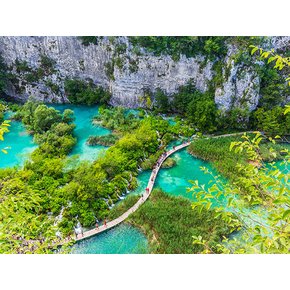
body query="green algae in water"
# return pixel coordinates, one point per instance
(84, 129)
(123, 239)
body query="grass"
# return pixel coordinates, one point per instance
(122, 206)
(170, 222)
(168, 163)
(216, 150)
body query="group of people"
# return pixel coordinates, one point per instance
(105, 224)
(77, 233)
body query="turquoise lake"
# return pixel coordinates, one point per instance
(20, 145)
(124, 238)
(84, 129)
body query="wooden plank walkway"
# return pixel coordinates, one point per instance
(145, 195)
(142, 199)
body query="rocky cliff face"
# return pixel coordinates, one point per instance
(127, 81)
(240, 87)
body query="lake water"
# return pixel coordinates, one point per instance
(20, 145)
(123, 238)
(84, 129)
(174, 181)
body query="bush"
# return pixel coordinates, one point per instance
(211, 47)
(168, 163)
(87, 40)
(106, 140)
(82, 92)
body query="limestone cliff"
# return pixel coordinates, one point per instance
(128, 79)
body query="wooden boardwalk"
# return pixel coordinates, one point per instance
(142, 199)
(145, 195)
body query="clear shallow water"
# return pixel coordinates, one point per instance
(20, 144)
(175, 180)
(124, 239)
(84, 129)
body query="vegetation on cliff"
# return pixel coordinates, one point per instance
(211, 46)
(3, 76)
(82, 92)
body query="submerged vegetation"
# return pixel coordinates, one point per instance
(106, 140)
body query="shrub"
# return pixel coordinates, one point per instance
(82, 92)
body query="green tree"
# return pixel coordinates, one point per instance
(68, 116)
(162, 101)
(202, 112)
(85, 92)
(44, 118)
(273, 122)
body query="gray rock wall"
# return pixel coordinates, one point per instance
(74, 60)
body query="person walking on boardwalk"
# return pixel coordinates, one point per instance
(97, 226)
(147, 190)
(105, 223)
